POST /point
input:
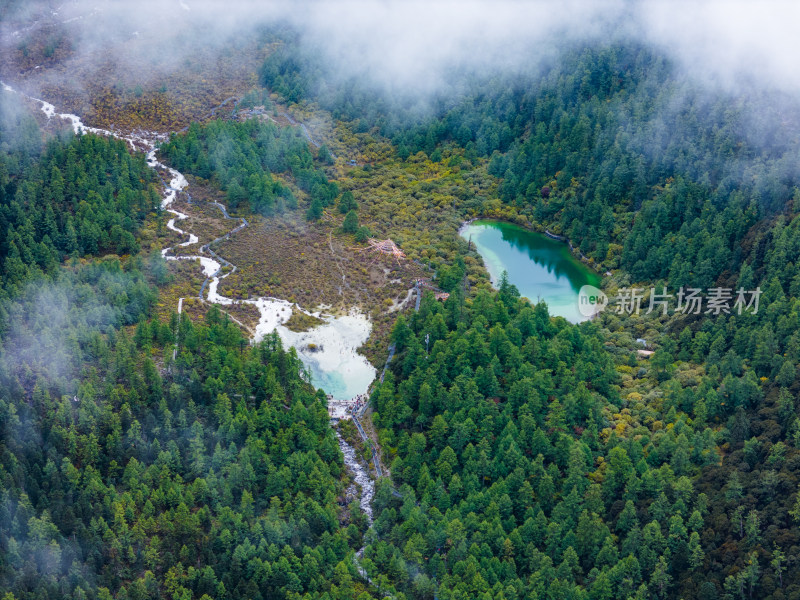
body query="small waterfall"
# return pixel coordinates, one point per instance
(361, 476)
(273, 312)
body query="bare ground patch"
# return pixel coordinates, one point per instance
(286, 257)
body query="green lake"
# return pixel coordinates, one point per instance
(540, 267)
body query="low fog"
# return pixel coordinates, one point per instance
(419, 53)
(413, 45)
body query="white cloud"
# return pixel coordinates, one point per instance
(729, 43)
(413, 44)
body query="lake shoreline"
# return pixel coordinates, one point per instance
(541, 267)
(544, 231)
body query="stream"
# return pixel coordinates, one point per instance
(329, 350)
(361, 477)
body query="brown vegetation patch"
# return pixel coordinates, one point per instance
(300, 321)
(286, 257)
(120, 86)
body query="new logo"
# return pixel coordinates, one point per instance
(591, 301)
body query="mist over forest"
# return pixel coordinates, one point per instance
(358, 300)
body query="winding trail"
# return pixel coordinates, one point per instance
(272, 311)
